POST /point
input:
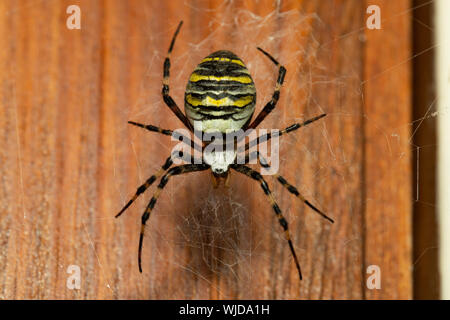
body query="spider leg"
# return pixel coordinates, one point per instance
(167, 164)
(294, 191)
(284, 183)
(276, 94)
(152, 128)
(258, 177)
(163, 182)
(165, 89)
(168, 132)
(268, 136)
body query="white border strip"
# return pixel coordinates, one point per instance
(442, 27)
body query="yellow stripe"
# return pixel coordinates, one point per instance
(239, 62)
(208, 101)
(242, 79)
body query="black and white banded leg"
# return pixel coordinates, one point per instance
(284, 183)
(168, 132)
(163, 182)
(165, 89)
(167, 164)
(268, 136)
(255, 175)
(276, 94)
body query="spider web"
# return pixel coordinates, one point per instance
(218, 226)
(220, 236)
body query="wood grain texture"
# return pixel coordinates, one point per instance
(387, 153)
(69, 161)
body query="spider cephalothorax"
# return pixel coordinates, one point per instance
(220, 99)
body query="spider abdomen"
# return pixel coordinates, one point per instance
(220, 94)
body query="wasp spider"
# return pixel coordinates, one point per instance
(220, 97)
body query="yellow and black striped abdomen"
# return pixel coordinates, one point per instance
(220, 94)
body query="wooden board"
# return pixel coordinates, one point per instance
(69, 160)
(426, 253)
(387, 152)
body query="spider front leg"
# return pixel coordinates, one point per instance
(165, 90)
(163, 182)
(276, 94)
(258, 177)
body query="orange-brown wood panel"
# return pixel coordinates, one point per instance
(387, 151)
(69, 160)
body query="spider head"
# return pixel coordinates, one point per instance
(219, 160)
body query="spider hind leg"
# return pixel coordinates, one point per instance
(147, 184)
(162, 183)
(284, 224)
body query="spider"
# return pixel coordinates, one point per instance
(220, 97)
